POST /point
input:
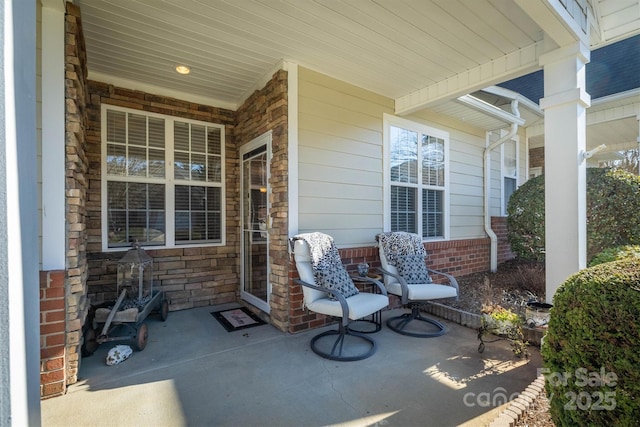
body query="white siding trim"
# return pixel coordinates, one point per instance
(53, 138)
(292, 146)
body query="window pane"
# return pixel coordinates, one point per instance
(181, 166)
(403, 209)
(181, 136)
(182, 226)
(137, 163)
(198, 217)
(198, 168)
(509, 188)
(432, 213)
(116, 126)
(197, 139)
(214, 201)
(214, 141)
(509, 159)
(156, 196)
(156, 163)
(198, 226)
(137, 130)
(132, 216)
(182, 197)
(432, 161)
(404, 155)
(156, 132)
(116, 160)
(214, 169)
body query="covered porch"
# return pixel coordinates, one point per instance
(194, 372)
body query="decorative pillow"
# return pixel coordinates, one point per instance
(413, 269)
(337, 279)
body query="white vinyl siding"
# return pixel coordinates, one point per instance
(340, 163)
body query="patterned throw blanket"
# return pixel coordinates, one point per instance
(324, 253)
(398, 243)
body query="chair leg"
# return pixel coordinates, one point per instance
(338, 348)
(399, 323)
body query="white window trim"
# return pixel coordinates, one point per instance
(503, 175)
(391, 120)
(169, 180)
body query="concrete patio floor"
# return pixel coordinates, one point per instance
(193, 372)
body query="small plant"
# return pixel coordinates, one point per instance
(503, 322)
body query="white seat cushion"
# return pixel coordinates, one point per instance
(360, 305)
(423, 292)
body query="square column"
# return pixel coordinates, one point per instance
(564, 106)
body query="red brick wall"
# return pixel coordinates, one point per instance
(536, 157)
(53, 314)
(456, 257)
(499, 226)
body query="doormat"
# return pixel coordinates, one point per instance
(237, 318)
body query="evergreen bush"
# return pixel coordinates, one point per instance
(613, 214)
(615, 254)
(591, 351)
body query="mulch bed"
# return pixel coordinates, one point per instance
(514, 284)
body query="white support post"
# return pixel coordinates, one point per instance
(53, 136)
(565, 105)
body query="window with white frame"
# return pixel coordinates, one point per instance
(162, 179)
(509, 172)
(416, 168)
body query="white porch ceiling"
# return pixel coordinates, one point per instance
(403, 49)
(391, 47)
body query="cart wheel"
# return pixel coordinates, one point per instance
(164, 310)
(481, 347)
(90, 344)
(141, 338)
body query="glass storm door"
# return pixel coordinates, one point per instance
(255, 286)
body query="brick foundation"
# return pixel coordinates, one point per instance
(499, 226)
(53, 315)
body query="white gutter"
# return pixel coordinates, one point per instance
(487, 185)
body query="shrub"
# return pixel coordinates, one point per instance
(616, 254)
(525, 220)
(592, 348)
(613, 203)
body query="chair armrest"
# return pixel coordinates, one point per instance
(400, 279)
(452, 280)
(337, 295)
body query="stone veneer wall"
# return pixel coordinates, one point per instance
(63, 294)
(267, 110)
(190, 277)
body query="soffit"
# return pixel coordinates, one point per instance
(390, 47)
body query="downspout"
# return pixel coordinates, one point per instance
(487, 186)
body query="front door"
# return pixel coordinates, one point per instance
(254, 278)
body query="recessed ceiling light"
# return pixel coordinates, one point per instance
(183, 69)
